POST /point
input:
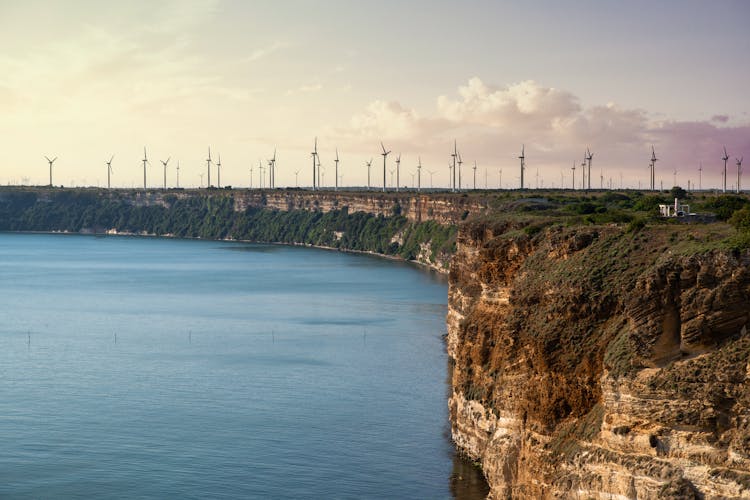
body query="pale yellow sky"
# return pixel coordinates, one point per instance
(83, 80)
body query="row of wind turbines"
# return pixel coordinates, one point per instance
(455, 173)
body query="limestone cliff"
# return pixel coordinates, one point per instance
(590, 362)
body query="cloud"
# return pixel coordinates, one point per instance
(490, 123)
(525, 104)
(386, 120)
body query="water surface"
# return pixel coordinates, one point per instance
(155, 368)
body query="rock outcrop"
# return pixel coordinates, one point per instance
(589, 362)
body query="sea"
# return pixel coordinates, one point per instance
(134, 367)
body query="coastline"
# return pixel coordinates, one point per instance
(424, 265)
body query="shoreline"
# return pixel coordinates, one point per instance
(424, 265)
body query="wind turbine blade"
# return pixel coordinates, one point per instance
(47, 157)
(113, 157)
(53, 159)
(381, 145)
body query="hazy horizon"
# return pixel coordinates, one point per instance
(83, 82)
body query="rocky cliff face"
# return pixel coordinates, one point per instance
(595, 363)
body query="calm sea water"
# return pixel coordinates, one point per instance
(154, 368)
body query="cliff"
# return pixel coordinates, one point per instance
(410, 226)
(597, 362)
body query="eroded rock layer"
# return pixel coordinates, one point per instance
(589, 362)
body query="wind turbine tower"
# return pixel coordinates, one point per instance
(369, 164)
(178, 174)
(739, 172)
(272, 170)
(453, 167)
(218, 172)
(419, 175)
(574, 175)
(145, 160)
(385, 155)
(314, 155)
(654, 159)
(725, 158)
(475, 175)
(336, 161)
(50, 168)
(109, 172)
(208, 167)
(700, 176)
(523, 162)
(165, 170)
(460, 162)
(589, 156)
(398, 171)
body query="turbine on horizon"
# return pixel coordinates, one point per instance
(145, 161)
(314, 155)
(384, 154)
(109, 171)
(725, 158)
(50, 168)
(208, 168)
(165, 170)
(336, 185)
(369, 164)
(523, 162)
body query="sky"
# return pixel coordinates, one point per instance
(85, 80)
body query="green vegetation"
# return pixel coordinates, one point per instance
(214, 217)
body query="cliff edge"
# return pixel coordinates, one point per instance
(601, 361)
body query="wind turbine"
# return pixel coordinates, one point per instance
(336, 185)
(398, 172)
(50, 168)
(431, 172)
(251, 176)
(654, 159)
(272, 170)
(145, 160)
(178, 174)
(739, 171)
(725, 158)
(165, 170)
(475, 175)
(459, 169)
(296, 178)
(109, 171)
(385, 154)
(499, 178)
(674, 177)
(573, 168)
(218, 172)
(419, 175)
(588, 157)
(453, 166)
(391, 172)
(314, 155)
(523, 162)
(700, 176)
(208, 167)
(369, 164)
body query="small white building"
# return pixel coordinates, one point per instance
(676, 210)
